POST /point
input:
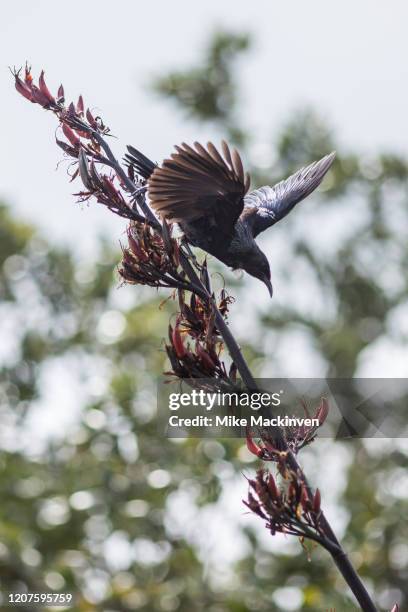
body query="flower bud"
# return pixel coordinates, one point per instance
(252, 447)
(322, 411)
(316, 501)
(68, 133)
(273, 489)
(80, 106)
(177, 342)
(44, 89)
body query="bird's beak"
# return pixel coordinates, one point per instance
(268, 283)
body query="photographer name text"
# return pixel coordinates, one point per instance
(233, 421)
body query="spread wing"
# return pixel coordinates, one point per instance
(198, 182)
(268, 205)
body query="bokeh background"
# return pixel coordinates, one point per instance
(92, 500)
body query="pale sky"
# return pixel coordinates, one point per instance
(346, 59)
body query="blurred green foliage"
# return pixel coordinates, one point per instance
(208, 92)
(94, 510)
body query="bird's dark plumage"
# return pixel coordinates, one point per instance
(142, 164)
(206, 193)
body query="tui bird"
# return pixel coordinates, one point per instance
(206, 193)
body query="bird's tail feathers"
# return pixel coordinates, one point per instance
(142, 165)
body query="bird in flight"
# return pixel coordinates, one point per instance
(207, 193)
